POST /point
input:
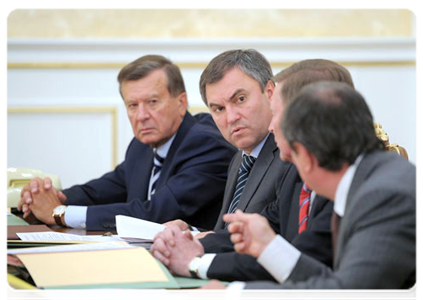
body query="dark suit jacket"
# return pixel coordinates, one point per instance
(190, 186)
(282, 215)
(262, 183)
(376, 246)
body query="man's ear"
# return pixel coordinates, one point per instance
(182, 103)
(269, 89)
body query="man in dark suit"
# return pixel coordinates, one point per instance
(236, 86)
(284, 212)
(374, 194)
(173, 158)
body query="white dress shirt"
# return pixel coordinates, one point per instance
(76, 216)
(281, 266)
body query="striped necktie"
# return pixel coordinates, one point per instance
(243, 173)
(304, 208)
(158, 163)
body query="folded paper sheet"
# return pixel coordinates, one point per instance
(133, 228)
(93, 267)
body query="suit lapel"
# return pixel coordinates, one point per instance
(315, 208)
(363, 170)
(291, 226)
(186, 125)
(144, 166)
(258, 171)
(231, 181)
(229, 188)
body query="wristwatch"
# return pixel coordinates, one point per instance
(194, 265)
(58, 212)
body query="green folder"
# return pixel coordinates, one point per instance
(14, 220)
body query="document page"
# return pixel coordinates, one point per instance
(52, 236)
(70, 248)
(133, 228)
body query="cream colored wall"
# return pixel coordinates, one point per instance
(62, 67)
(196, 23)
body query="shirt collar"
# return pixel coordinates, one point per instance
(164, 149)
(344, 187)
(256, 151)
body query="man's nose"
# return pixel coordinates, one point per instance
(233, 114)
(142, 113)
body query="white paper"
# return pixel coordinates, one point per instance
(51, 236)
(129, 227)
(70, 248)
(114, 294)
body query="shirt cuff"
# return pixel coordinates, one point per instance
(279, 258)
(195, 232)
(234, 290)
(76, 216)
(204, 266)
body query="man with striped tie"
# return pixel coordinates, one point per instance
(236, 86)
(283, 213)
(173, 158)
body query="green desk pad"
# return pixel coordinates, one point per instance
(190, 283)
(14, 220)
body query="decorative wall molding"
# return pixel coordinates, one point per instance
(196, 53)
(60, 72)
(76, 110)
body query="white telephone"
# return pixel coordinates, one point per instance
(17, 178)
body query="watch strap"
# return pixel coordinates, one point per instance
(194, 273)
(58, 219)
(58, 216)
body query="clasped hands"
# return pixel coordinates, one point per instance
(39, 198)
(175, 248)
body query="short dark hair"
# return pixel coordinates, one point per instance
(250, 61)
(332, 121)
(308, 71)
(144, 65)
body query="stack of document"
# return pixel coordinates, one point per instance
(28, 236)
(92, 261)
(97, 265)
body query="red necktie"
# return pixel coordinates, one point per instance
(304, 207)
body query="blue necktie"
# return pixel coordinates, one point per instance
(243, 173)
(158, 163)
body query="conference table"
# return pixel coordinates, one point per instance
(17, 294)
